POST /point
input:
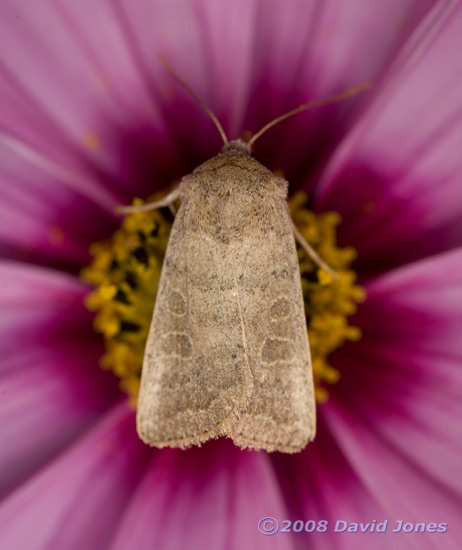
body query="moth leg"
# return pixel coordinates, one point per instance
(312, 253)
(168, 200)
(172, 209)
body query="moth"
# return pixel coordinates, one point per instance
(227, 352)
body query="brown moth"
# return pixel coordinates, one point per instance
(228, 352)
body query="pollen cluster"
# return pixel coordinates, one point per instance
(125, 273)
(328, 301)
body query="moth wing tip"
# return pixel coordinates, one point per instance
(268, 446)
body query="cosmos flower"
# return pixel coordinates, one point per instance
(89, 119)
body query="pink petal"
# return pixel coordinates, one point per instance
(321, 486)
(46, 402)
(89, 95)
(43, 220)
(405, 492)
(389, 438)
(283, 55)
(417, 307)
(403, 380)
(212, 497)
(53, 90)
(79, 498)
(311, 50)
(51, 384)
(37, 303)
(397, 179)
(74, 99)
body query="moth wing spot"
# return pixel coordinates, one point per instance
(177, 344)
(277, 349)
(176, 303)
(280, 308)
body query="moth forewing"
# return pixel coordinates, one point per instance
(281, 415)
(195, 377)
(227, 352)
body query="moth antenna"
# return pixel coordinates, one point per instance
(316, 103)
(193, 94)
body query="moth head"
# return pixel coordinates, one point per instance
(237, 145)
